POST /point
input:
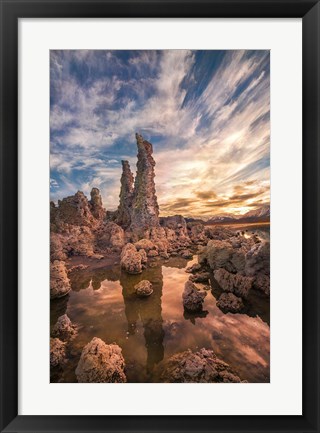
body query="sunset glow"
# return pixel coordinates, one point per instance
(205, 112)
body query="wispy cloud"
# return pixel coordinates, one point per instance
(206, 112)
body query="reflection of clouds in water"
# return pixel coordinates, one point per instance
(242, 341)
(160, 328)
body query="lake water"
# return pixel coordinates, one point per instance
(149, 330)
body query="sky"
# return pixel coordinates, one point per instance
(207, 114)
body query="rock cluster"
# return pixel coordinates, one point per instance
(199, 367)
(238, 263)
(101, 363)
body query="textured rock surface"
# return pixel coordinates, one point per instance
(229, 302)
(258, 258)
(64, 328)
(59, 281)
(144, 258)
(175, 231)
(262, 282)
(199, 367)
(145, 209)
(57, 352)
(123, 217)
(186, 254)
(97, 210)
(144, 288)
(74, 210)
(235, 283)
(201, 277)
(109, 235)
(197, 234)
(258, 266)
(219, 254)
(131, 260)
(194, 268)
(101, 363)
(145, 244)
(57, 248)
(192, 297)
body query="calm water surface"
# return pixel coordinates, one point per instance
(149, 330)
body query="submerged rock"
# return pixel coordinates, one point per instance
(144, 288)
(57, 352)
(101, 363)
(199, 367)
(64, 328)
(228, 302)
(131, 259)
(59, 281)
(193, 298)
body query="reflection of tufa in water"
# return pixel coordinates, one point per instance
(154, 328)
(147, 310)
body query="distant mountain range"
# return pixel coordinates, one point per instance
(261, 214)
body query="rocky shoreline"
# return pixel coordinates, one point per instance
(84, 234)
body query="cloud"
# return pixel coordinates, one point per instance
(206, 113)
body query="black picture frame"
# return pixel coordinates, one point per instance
(11, 11)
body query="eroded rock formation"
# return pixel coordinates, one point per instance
(131, 259)
(228, 302)
(97, 209)
(145, 209)
(199, 367)
(143, 289)
(234, 283)
(74, 210)
(101, 363)
(64, 329)
(124, 211)
(59, 281)
(192, 298)
(57, 352)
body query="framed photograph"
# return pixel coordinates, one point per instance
(160, 216)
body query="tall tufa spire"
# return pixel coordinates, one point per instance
(126, 195)
(145, 209)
